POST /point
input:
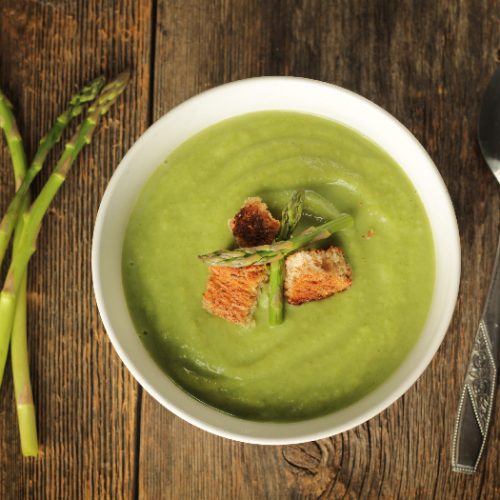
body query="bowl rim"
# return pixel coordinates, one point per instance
(293, 438)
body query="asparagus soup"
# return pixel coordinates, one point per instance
(326, 354)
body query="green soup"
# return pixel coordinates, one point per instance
(326, 354)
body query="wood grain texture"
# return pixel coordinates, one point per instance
(426, 62)
(86, 400)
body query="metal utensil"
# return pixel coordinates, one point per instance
(478, 393)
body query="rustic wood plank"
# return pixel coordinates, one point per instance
(199, 45)
(86, 400)
(427, 63)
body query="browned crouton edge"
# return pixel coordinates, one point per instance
(232, 293)
(316, 274)
(254, 225)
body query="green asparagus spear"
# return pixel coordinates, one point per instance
(26, 415)
(289, 219)
(32, 220)
(20, 363)
(291, 214)
(265, 254)
(276, 282)
(75, 108)
(13, 137)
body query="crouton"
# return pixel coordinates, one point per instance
(232, 292)
(254, 225)
(315, 275)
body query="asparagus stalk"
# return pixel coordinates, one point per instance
(265, 254)
(23, 182)
(20, 363)
(13, 138)
(33, 219)
(276, 281)
(26, 416)
(289, 219)
(19, 204)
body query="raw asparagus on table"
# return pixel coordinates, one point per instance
(75, 108)
(26, 417)
(19, 353)
(19, 343)
(13, 137)
(18, 157)
(19, 204)
(289, 219)
(265, 254)
(32, 219)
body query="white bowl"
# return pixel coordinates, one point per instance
(197, 113)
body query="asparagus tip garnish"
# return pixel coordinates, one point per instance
(290, 217)
(265, 254)
(291, 214)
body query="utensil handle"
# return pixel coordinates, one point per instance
(478, 394)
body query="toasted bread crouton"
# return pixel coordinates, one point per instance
(315, 275)
(254, 225)
(232, 292)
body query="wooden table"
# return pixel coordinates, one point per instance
(426, 62)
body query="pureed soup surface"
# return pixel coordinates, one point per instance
(326, 354)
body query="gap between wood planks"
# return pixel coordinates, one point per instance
(138, 411)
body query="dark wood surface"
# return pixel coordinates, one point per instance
(102, 436)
